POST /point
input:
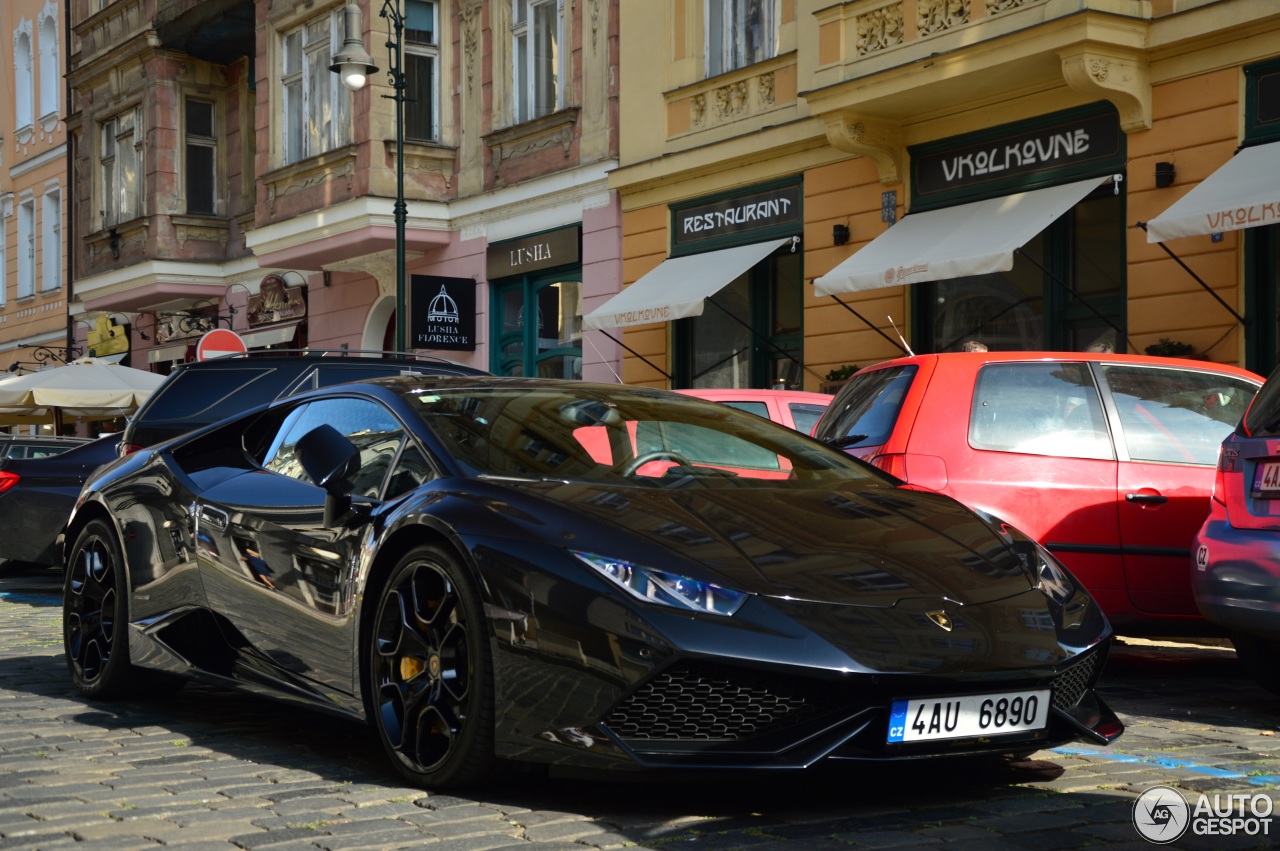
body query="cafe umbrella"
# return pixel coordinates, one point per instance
(86, 387)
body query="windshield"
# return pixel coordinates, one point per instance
(621, 436)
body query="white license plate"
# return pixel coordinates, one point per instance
(966, 716)
(1267, 480)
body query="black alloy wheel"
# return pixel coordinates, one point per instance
(429, 675)
(95, 613)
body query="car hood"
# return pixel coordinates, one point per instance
(853, 545)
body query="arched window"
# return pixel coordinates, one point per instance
(50, 69)
(23, 83)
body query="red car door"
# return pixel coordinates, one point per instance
(1170, 423)
(1027, 442)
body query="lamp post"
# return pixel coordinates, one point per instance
(354, 65)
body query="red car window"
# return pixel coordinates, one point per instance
(1039, 409)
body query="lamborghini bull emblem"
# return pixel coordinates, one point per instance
(941, 618)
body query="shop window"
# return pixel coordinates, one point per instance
(539, 327)
(200, 152)
(27, 248)
(1065, 291)
(739, 33)
(119, 157)
(314, 99)
(749, 333)
(51, 240)
(1262, 244)
(537, 61)
(421, 65)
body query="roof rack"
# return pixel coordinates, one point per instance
(339, 353)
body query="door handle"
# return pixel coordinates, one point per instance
(215, 517)
(1146, 498)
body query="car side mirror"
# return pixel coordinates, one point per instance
(331, 460)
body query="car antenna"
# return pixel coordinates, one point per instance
(905, 347)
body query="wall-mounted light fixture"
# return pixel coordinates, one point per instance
(1165, 174)
(115, 244)
(840, 234)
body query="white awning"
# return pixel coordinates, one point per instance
(270, 336)
(1243, 193)
(678, 287)
(954, 242)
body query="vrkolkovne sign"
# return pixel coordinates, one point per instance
(1075, 142)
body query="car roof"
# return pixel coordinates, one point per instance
(720, 393)
(975, 359)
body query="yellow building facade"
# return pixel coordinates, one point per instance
(807, 185)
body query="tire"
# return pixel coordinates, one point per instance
(1261, 658)
(95, 612)
(428, 672)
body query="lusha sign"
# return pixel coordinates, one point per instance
(443, 313)
(548, 250)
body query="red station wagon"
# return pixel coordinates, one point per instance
(1106, 459)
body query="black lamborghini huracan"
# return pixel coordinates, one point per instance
(593, 575)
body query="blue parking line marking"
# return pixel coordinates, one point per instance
(1115, 756)
(30, 599)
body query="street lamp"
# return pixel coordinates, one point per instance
(354, 65)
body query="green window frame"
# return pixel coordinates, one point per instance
(527, 348)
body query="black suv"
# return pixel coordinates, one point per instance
(36, 496)
(200, 393)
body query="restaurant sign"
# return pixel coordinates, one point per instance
(276, 302)
(1068, 143)
(770, 209)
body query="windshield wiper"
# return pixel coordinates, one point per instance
(847, 440)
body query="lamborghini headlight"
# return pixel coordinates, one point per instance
(666, 589)
(1054, 581)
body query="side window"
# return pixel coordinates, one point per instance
(760, 409)
(411, 470)
(806, 417)
(1176, 415)
(1039, 409)
(869, 405)
(371, 427)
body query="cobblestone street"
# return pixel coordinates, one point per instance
(212, 770)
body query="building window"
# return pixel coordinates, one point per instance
(739, 33)
(51, 241)
(537, 30)
(1065, 291)
(749, 333)
(27, 248)
(200, 154)
(120, 155)
(23, 80)
(50, 69)
(315, 101)
(539, 326)
(421, 66)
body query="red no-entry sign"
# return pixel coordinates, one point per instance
(219, 343)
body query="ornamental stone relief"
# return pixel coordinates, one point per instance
(879, 28)
(934, 16)
(995, 7)
(733, 101)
